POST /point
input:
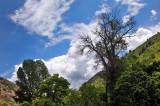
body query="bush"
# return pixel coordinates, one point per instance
(42, 102)
(25, 103)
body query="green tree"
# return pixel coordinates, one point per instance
(73, 98)
(138, 86)
(29, 77)
(110, 41)
(42, 102)
(55, 88)
(91, 95)
(153, 87)
(131, 89)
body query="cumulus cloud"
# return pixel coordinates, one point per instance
(75, 68)
(133, 7)
(153, 12)
(14, 74)
(142, 35)
(41, 16)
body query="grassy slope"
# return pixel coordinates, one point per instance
(98, 79)
(148, 52)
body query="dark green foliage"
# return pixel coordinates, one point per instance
(54, 87)
(29, 77)
(136, 87)
(43, 102)
(130, 89)
(153, 88)
(1, 78)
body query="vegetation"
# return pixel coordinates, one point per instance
(146, 53)
(7, 89)
(111, 34)
(29, 77)
(135, 83)
(54, 88)
(137, 87)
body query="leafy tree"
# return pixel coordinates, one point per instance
(155, 66)
(29, 77)
(131, 89)
(73, 98)
(153, 87)
(110, 41)
(91, 95)
(55, 88)
(138, 87)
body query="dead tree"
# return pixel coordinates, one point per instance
(111, 32)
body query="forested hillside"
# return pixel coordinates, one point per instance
(147, 53)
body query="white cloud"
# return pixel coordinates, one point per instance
(14, 74)
(133, 7)
(153, 12)
(104, 9)
(75, 68)
(41, 16)
(126, 18)
(142, 35)
(72, 32)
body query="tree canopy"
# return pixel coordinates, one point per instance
(29, 77)
(137, 87)
(54, 87)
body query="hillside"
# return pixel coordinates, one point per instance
(98, 79)
(7, 89)
(148, 52)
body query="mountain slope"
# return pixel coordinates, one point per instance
(7, 89)
(148, 52)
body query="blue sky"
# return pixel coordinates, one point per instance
(48, 30)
